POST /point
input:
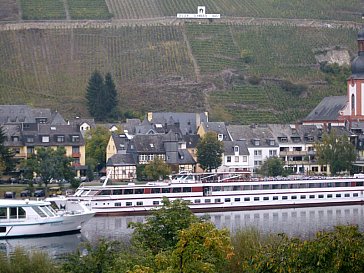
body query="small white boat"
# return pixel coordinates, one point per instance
(38, 218)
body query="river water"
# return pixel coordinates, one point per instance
(298, 222)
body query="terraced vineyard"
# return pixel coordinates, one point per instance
(42, 9)
(51, 67)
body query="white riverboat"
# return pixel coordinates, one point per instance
(20, 218)
(213, 192)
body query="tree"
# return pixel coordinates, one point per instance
(156, 169)
(160, 230)
(209, 151)
(202, 248)
(340, 250)
(6, 155)
(336, 151)
(101, 96)
(49, 163)
(273, 166)
(96, 143)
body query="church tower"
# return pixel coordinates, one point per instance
(354, 110)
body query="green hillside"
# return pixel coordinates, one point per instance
(237, 71)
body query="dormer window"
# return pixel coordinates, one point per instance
(45, 139)
(271, 142)
(220, 137)
(122, 147)
(256, 142)
(30, 139)
(236, 149)
(60, 139)
(15, 138)
(151, 145)
(283, 139)
(75, 138)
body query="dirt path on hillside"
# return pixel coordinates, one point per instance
(69, 24)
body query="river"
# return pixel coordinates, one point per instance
(298, 222)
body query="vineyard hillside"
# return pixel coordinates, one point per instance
(261, 62)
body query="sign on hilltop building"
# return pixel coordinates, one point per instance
(200, 14)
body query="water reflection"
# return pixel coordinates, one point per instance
(300, 222)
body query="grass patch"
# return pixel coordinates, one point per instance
(43, 10)
(88, 9)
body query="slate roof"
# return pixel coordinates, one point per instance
(25, 114)
(191, 141)
(217, 127)
(229, 147)
(120, 140)
(80, 121)
(130, 125)
(121, 160)
(328, 109)
(188, 122)
(148, 144)
(250, 133)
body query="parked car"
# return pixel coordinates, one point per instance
(25, 193)
(39, 193)
(9, 194)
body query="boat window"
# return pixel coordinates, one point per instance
(338, 195)
(303, 197)
(256, 187)
(256, 198)
(284, 186)
(293, 186)
(266, 187)
(284, 197)
(337, 184)
(128, 204)
(247, 187)
(246, 199)
(139, 191)
(207, 200)
(227, 199)
(355, 194)
(347, 195)
(312, 185)
(293, 197)
(236, 188)
(217, 200)
(216, 188)
(265, 198)
(275, 197)
(312, 196)
(13, 213)
(155, 202)
(3, 213)
(227, 188)
(155, 190)
(197, 201)
(321, 196)
(105, 192)
(47, 211)
(330, 185)
(237, 199)
(302, 185)
(139, 203)
(2, 229)
(176, 190)
(165, 190)
(117, 204)
(93, 192)
(128, 191)
(359, 184)
(187, 189)
(39, 211)
(276, 186)
(329, 196)
(346, 184)
(117, 192)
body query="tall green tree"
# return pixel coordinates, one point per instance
(273, 166)
(49, 163)
(156, 169)
(7, 162)
(209, 151)
(101, 96)
(336, 151)
(96, 143)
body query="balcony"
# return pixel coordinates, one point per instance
(76, 155)
(292, 153)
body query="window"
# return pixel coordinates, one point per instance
(15, 138)
(220, 137)
(355, 194)
(293, 197)
(174, 190)
(153, 190)
(236, 158)
(275, 197)
(118, 204)
(303, 196)
(30, 150)
(207, 200)
(128, 191)
(139, 191)
(218, 200)
(197, 201)
(75, 138)
(237, 199)
(155, 203)
(165, 190)
(139, 203)
(284, 197)
(338, 195)
(227, 200)
(228, 159)
(347, 195)
(321, 196)
(236, 149)
(128, 204)
(30, 139)
(272, 152)
(256, 198)
(245, 158)
(45, 139)
(265, 198)
(75, 149)
(329, 196)
(187, 189)
(246, 199)
(258, 152)
(312, 197)
(60, 139)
